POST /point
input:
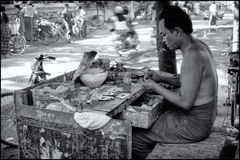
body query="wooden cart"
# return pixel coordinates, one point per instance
(44, 133)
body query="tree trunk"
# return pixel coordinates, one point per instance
(131, 11)
(166, 57)
(104, 12)
(97, 13)
(235, 41)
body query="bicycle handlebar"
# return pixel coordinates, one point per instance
(42, 57)
(232, 53)
(50, 57)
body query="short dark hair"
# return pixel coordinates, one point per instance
(3, 9)
(125, 10)
(174, 16)
(18, 7)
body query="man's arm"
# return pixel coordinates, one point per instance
(190, 82)
(164, 77)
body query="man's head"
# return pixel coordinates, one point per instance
(80, 7)
(66, 6)
(118, 10)
(30, 3)
(2, 9)
(17, 7)
(173, 24)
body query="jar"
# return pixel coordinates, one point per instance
(127, 81)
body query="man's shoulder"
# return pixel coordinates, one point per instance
(197, 47)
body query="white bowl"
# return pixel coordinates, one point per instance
(93, 77)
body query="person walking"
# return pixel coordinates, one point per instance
(213, 15)
(29, 13)
(67, 19)
(5, 33)
(20, 20)
(80, 15)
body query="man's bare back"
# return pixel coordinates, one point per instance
(207, 91)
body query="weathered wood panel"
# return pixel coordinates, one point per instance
(52, 134)
(143, 118)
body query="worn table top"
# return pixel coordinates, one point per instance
(116, 105)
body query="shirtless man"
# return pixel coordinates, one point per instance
(192, 112)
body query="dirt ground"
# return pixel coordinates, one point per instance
(69, 55)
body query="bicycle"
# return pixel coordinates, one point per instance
(17, 42)
(233, 85)
(60, 30)
(233, 71)
(8, 118)
(44, 32)
(96, 21)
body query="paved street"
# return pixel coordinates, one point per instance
(15, 70)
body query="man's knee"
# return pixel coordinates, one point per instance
(142, 144)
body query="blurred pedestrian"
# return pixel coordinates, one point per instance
(5, 33)
(80, 15)
(29, 13)
(20, 20)
(213, 15)
(153, 14)
(67, 18)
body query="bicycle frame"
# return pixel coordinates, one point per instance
(233, 94)
(38, 72)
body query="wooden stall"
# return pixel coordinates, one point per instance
(45, 133)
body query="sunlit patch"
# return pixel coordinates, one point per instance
(222, 77)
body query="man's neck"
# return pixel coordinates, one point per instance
(187, 42)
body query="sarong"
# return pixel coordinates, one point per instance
(175, 126)
(213, 20)
(28, 23)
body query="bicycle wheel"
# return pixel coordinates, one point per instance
(46, 37)
(17, 45)
(8, 120)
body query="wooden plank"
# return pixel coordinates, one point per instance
(206, 149)
(143, 118)
(38, 139)
(64, 138)
(116, 106)
(110, 108)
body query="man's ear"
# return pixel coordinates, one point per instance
(178, 31)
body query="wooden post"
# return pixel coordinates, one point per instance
(166, 57)
(235, 45)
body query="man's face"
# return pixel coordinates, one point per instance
(169, 36)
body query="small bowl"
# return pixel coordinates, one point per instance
(93, 77)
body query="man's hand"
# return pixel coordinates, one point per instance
(149, 84)
(152, 75)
